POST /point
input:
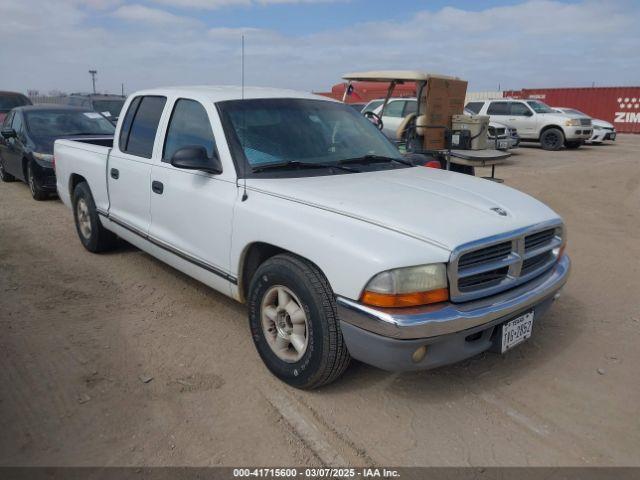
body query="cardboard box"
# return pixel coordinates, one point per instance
(442, 98)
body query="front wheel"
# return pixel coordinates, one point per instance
(572, 145)
(552, 139)
(93, 235)
(35, 184)
(294, 323)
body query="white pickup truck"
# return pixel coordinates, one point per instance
(298, 206)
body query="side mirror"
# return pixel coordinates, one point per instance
(9, 132)
(528, 114)
(194, 157)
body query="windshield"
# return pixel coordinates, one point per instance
(299, 130)
(7, 102)
(372, 105)
(58, 123)
(110, 108)
(540, 107)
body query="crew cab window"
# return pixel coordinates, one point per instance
(189, 126)
(474, 106)
(140, 125)
(520, 109)
(498, 108)
(394, 109)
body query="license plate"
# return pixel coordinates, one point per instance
(516, 331)
(502, 144)
(612, 136)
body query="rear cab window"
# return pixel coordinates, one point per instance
(140, 125)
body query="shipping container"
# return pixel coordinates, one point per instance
(618, 105)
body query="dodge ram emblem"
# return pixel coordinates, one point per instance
(500, 211)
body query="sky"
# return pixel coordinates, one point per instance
(307, 45)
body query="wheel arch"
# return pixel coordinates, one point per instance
(547, 127)
(254, 255)
(74, 180)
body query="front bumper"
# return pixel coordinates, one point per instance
(578, 133)
(387, 338)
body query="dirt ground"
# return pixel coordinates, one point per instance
(81, 333)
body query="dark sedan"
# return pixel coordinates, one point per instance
(27, 136)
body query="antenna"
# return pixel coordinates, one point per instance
(244, 183)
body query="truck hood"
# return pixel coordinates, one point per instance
(443, 208)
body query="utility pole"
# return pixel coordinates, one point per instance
(93, 78)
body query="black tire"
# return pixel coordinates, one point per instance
(35, 184)
(552, 139)
(572, 145)
(4, 175)
(326, 356)
(98, 239)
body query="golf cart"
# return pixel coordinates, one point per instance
(439, 129)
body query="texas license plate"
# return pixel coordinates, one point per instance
(502, 145)
(516, 331)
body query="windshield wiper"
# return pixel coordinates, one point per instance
(298, 164)
(375, 159)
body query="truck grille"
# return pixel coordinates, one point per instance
(484, 268)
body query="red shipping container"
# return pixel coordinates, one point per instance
(618, 105)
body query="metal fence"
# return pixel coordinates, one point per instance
(58, 100)
(475, 96)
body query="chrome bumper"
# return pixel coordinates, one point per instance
(446, 318)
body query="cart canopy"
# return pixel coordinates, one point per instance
(394, 75)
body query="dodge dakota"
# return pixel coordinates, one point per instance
(299, 207)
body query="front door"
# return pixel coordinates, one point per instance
(191, 210)
(522, 118)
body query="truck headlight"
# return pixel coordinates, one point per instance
(572, 122)
(407, 287)
(44, 157)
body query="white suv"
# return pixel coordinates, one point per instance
(536, 122)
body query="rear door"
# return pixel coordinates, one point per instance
(129, 169)
(192, 210)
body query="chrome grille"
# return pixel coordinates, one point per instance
(486, 267)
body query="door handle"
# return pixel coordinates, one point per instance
(157, 187)
(115, 173)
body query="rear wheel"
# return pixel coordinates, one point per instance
(552, 139)
(294, 323)
(35, 184)
(93, 235)
(4, 175)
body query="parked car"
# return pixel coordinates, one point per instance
(108, 105)
(298, 206)
(27, 136)
(536, 122)
(500, 136)
(9, 100)
(357, 106)
(602, 130)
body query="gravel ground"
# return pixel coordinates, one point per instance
(117, 359)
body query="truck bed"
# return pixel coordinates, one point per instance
(86, 158)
